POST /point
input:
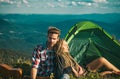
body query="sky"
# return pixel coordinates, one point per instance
(59, 6)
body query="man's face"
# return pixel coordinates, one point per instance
(52, 39)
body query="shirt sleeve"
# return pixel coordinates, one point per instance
(36, 56)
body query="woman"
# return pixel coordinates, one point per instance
(64, 61)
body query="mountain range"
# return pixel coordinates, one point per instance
(22, 32)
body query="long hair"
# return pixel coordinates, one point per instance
(63, 59)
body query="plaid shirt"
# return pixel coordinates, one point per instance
(42, 59)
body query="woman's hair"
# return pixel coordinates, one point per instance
(63, 59)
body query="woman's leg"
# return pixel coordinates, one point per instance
(100, 62)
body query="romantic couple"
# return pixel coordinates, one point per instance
(54, 57)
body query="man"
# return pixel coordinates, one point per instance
(42, 58)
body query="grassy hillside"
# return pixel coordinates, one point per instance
(16, 60)
(10, 56)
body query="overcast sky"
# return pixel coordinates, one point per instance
(59, 6)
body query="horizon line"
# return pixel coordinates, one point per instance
(54, 13)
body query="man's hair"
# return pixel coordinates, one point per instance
(53, 30)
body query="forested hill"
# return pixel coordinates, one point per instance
(22, 32)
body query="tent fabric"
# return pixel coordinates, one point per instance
(89, 41)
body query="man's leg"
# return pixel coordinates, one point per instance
(100, 62)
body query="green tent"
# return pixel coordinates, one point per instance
(88, 41)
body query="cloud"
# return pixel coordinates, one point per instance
(6, 1)
(78, 4)
(100, 1)
(111, 4)
(101, 4)
(115, 4)
(85, 3)
(18, 3)
(50, 4)
(62, 5)
(57, 4)
(54, 3)
(74, 3)
(25, 1)
(69, 3)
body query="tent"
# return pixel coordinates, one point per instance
(88, 41)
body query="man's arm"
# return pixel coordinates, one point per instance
(35, 61)
(33, 73)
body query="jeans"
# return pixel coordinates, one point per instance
(65, 76)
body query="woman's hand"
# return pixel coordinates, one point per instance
(75, 72)
(79, 72)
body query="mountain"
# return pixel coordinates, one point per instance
(22, 32)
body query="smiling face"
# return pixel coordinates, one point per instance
(65, 46)
(61, 47)
(52, 39)
(53, 36)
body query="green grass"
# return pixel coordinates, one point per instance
(96, 75)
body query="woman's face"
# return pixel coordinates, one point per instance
(65, 47)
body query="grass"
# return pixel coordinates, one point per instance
(24, 62)
(26, 67)
(96, 75)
